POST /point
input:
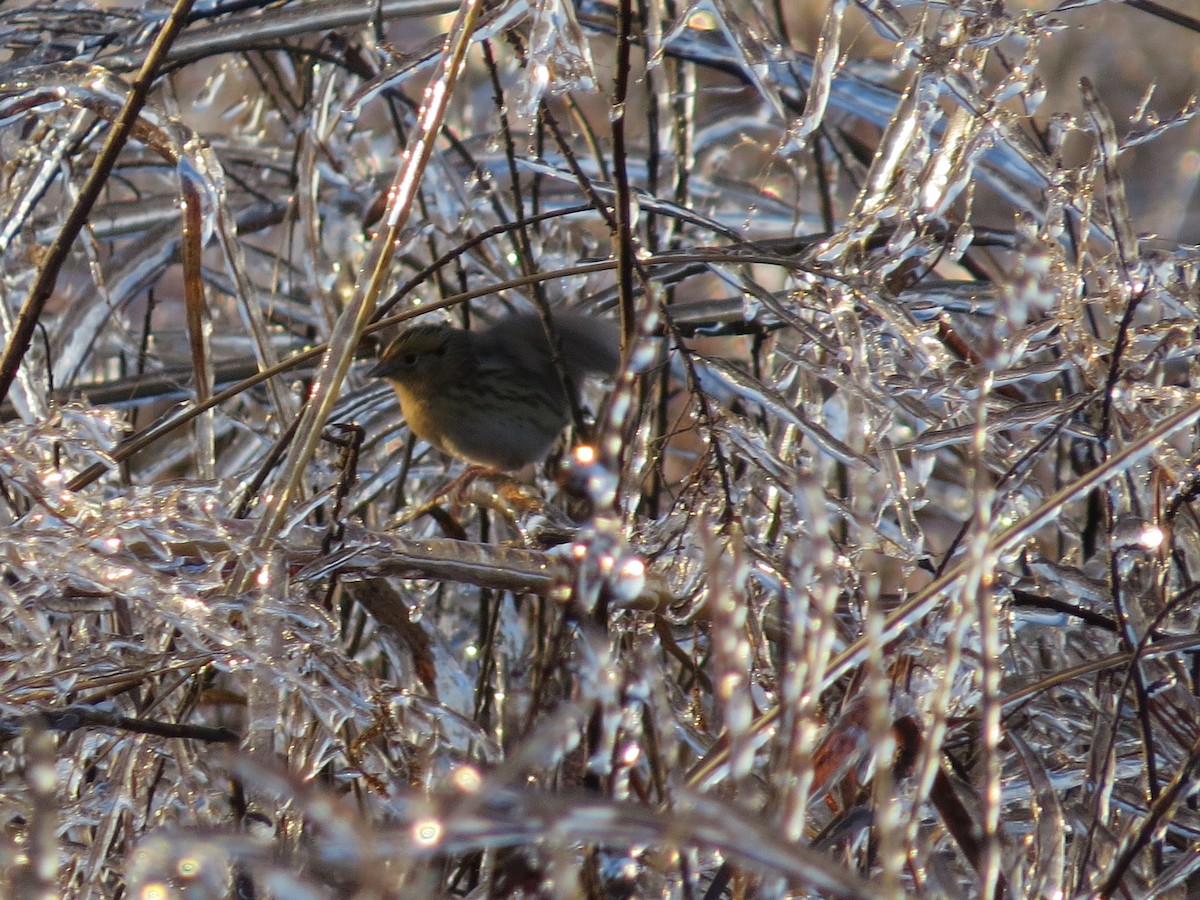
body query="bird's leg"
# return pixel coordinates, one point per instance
(516, 501)
(451, 490)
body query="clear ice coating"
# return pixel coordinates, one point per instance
(559, 59)
(868, 572)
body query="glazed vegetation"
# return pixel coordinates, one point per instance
(852, 549)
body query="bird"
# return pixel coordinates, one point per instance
(494, 398)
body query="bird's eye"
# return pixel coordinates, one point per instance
(410, 359)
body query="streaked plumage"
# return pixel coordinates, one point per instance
(493, 397)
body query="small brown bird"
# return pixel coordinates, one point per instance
(494, 397)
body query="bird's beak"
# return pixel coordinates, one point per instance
(379, 370)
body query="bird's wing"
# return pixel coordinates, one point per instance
(589, 345)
